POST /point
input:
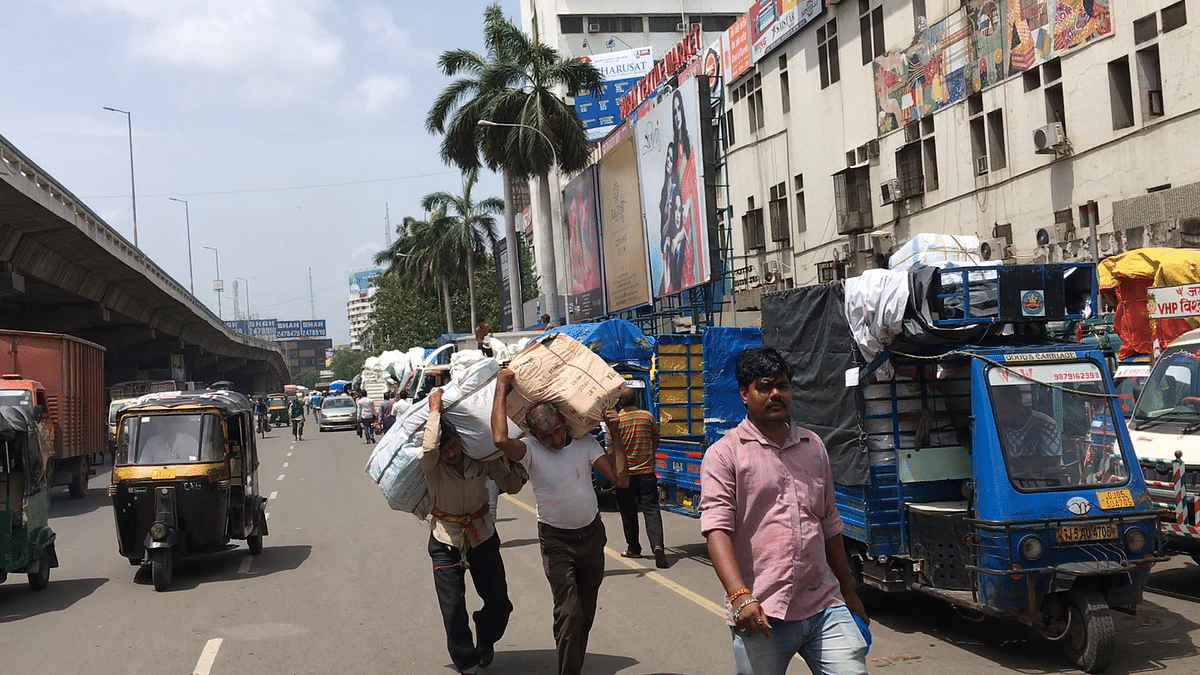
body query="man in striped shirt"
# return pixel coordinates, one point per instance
(639, 434)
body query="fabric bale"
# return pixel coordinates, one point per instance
(559, 369)
(929, 249)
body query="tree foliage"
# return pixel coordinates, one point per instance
(346, 364)
(307, 378)
(404, 318)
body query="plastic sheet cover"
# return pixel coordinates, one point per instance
(809, 327)
(1128, 275)
(723, 408)
(19, 433)
(614, 340)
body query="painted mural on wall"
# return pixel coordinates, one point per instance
(978, 46)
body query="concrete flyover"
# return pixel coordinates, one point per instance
(64, 270)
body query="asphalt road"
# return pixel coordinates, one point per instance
(343, 586)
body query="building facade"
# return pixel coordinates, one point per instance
(306, 354)
(359, 305)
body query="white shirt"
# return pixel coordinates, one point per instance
(366, 408)
(562, 481)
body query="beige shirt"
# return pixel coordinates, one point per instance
(461, 496)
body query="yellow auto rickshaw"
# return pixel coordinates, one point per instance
(185, 479)
(277, 410)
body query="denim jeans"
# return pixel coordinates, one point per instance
(829, 642)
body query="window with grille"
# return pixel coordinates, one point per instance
(908, 170)
(752, 226)
(616, 24)
(870, 23)
(779, 213)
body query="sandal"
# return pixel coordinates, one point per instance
(630, 554)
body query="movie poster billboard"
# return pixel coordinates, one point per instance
(583, 242)
(671, 163)
(624, 236)
(773, 21)
(598, 110)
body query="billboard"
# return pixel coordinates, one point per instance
(583, 242)
(773, 21)
(598, 110)
(359, 281)
(735, 48)
(624, 240)
(263, 329)
(671, 165)
(304, 328)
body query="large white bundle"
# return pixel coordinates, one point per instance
(467, 404)
(875, 304)
(936, 248)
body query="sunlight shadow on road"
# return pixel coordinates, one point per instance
(546, 660)
(18, 602)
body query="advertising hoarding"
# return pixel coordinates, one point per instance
(671, 167)
(624, 237)
(583, 241)
(735, 48)
(599, 110)
(773, 21)
(304, 328)
(360, 281)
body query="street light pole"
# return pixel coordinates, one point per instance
(543, 234)
(247, 295)
(218, 285)
(132, 184)
(188, 219)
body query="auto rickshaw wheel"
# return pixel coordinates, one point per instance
(41, 578)
(162, 563)
(1091, 633)
(255, 542)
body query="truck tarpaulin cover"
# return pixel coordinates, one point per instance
(19, 432)
(614, 340)
(808, 326)
(723, 407)
(1128, 275)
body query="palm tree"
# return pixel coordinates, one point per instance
(422, 258)
(514, 87)
(471, 229)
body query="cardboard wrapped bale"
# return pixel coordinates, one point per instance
(561, 370)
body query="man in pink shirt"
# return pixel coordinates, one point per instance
(775, 538)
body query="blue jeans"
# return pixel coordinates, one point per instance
(829, 642)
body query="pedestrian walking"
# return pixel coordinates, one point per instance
(463, 538)
(366, 416)
(386, 411)
(639, 435)
(570, 532)
(775, 538)
(296, 417)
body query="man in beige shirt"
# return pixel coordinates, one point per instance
(464, 538)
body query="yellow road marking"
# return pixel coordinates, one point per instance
(650, 574)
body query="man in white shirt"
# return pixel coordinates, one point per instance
(366, 416)
(570, 531)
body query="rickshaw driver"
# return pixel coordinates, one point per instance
(1030, 439)
(169, 446)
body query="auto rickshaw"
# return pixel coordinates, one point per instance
(185, 480)
(277, 407)
(25, 536)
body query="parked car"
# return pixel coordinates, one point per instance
(338, 412)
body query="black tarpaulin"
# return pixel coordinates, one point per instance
(808, 326)
(22, 452)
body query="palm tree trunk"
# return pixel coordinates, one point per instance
(544, 242)
(515, 295)
(471, 285)
(446, 304)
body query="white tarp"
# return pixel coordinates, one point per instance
(931, 249)
(875, 304)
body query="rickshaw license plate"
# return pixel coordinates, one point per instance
(163, 472)
(1070, 534)
(1115, 499)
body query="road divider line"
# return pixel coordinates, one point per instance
(285, 464)
(273, 496)
(650, 574)
(289, 454)
(280, 476)
(207, 657)
(245, 566)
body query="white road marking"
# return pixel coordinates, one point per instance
(289, 454)
(245, 567)
(285, 464)
(273, 496)
(280, 477)
(207, 657)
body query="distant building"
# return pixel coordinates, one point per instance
(305, 354)
(360, 304)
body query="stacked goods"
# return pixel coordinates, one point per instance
(467, 403)
(559, 369)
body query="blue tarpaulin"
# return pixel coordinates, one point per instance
(614, 340)
(723, 408)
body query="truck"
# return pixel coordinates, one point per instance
(64, 377)
(974, 459)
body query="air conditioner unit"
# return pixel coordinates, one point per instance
(872, 148)
(890, 190)
(1064, 232)
(841, 252)
(1048, 139)
(593, 28)
(882, 243)
(981, 165)
(862, 242)
(1042, 236)
(993, 249)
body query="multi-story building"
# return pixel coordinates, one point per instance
(305, 354)
(590, 27)
(360, 304)
(1024, 123)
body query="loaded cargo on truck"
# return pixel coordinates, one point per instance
(64, 375)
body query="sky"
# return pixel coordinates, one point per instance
(292, 129)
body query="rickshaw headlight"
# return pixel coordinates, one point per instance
(159, 530)
(1031, 548)
(1135, 540)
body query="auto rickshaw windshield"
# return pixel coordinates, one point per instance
(1057, 436)
(171, 439)
(1170, 394)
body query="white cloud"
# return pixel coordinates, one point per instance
(376, 93)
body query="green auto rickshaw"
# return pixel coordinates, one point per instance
(277, 410)
(25, 534)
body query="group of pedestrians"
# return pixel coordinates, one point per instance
(767, 514)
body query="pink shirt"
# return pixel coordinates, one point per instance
(778, 506)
